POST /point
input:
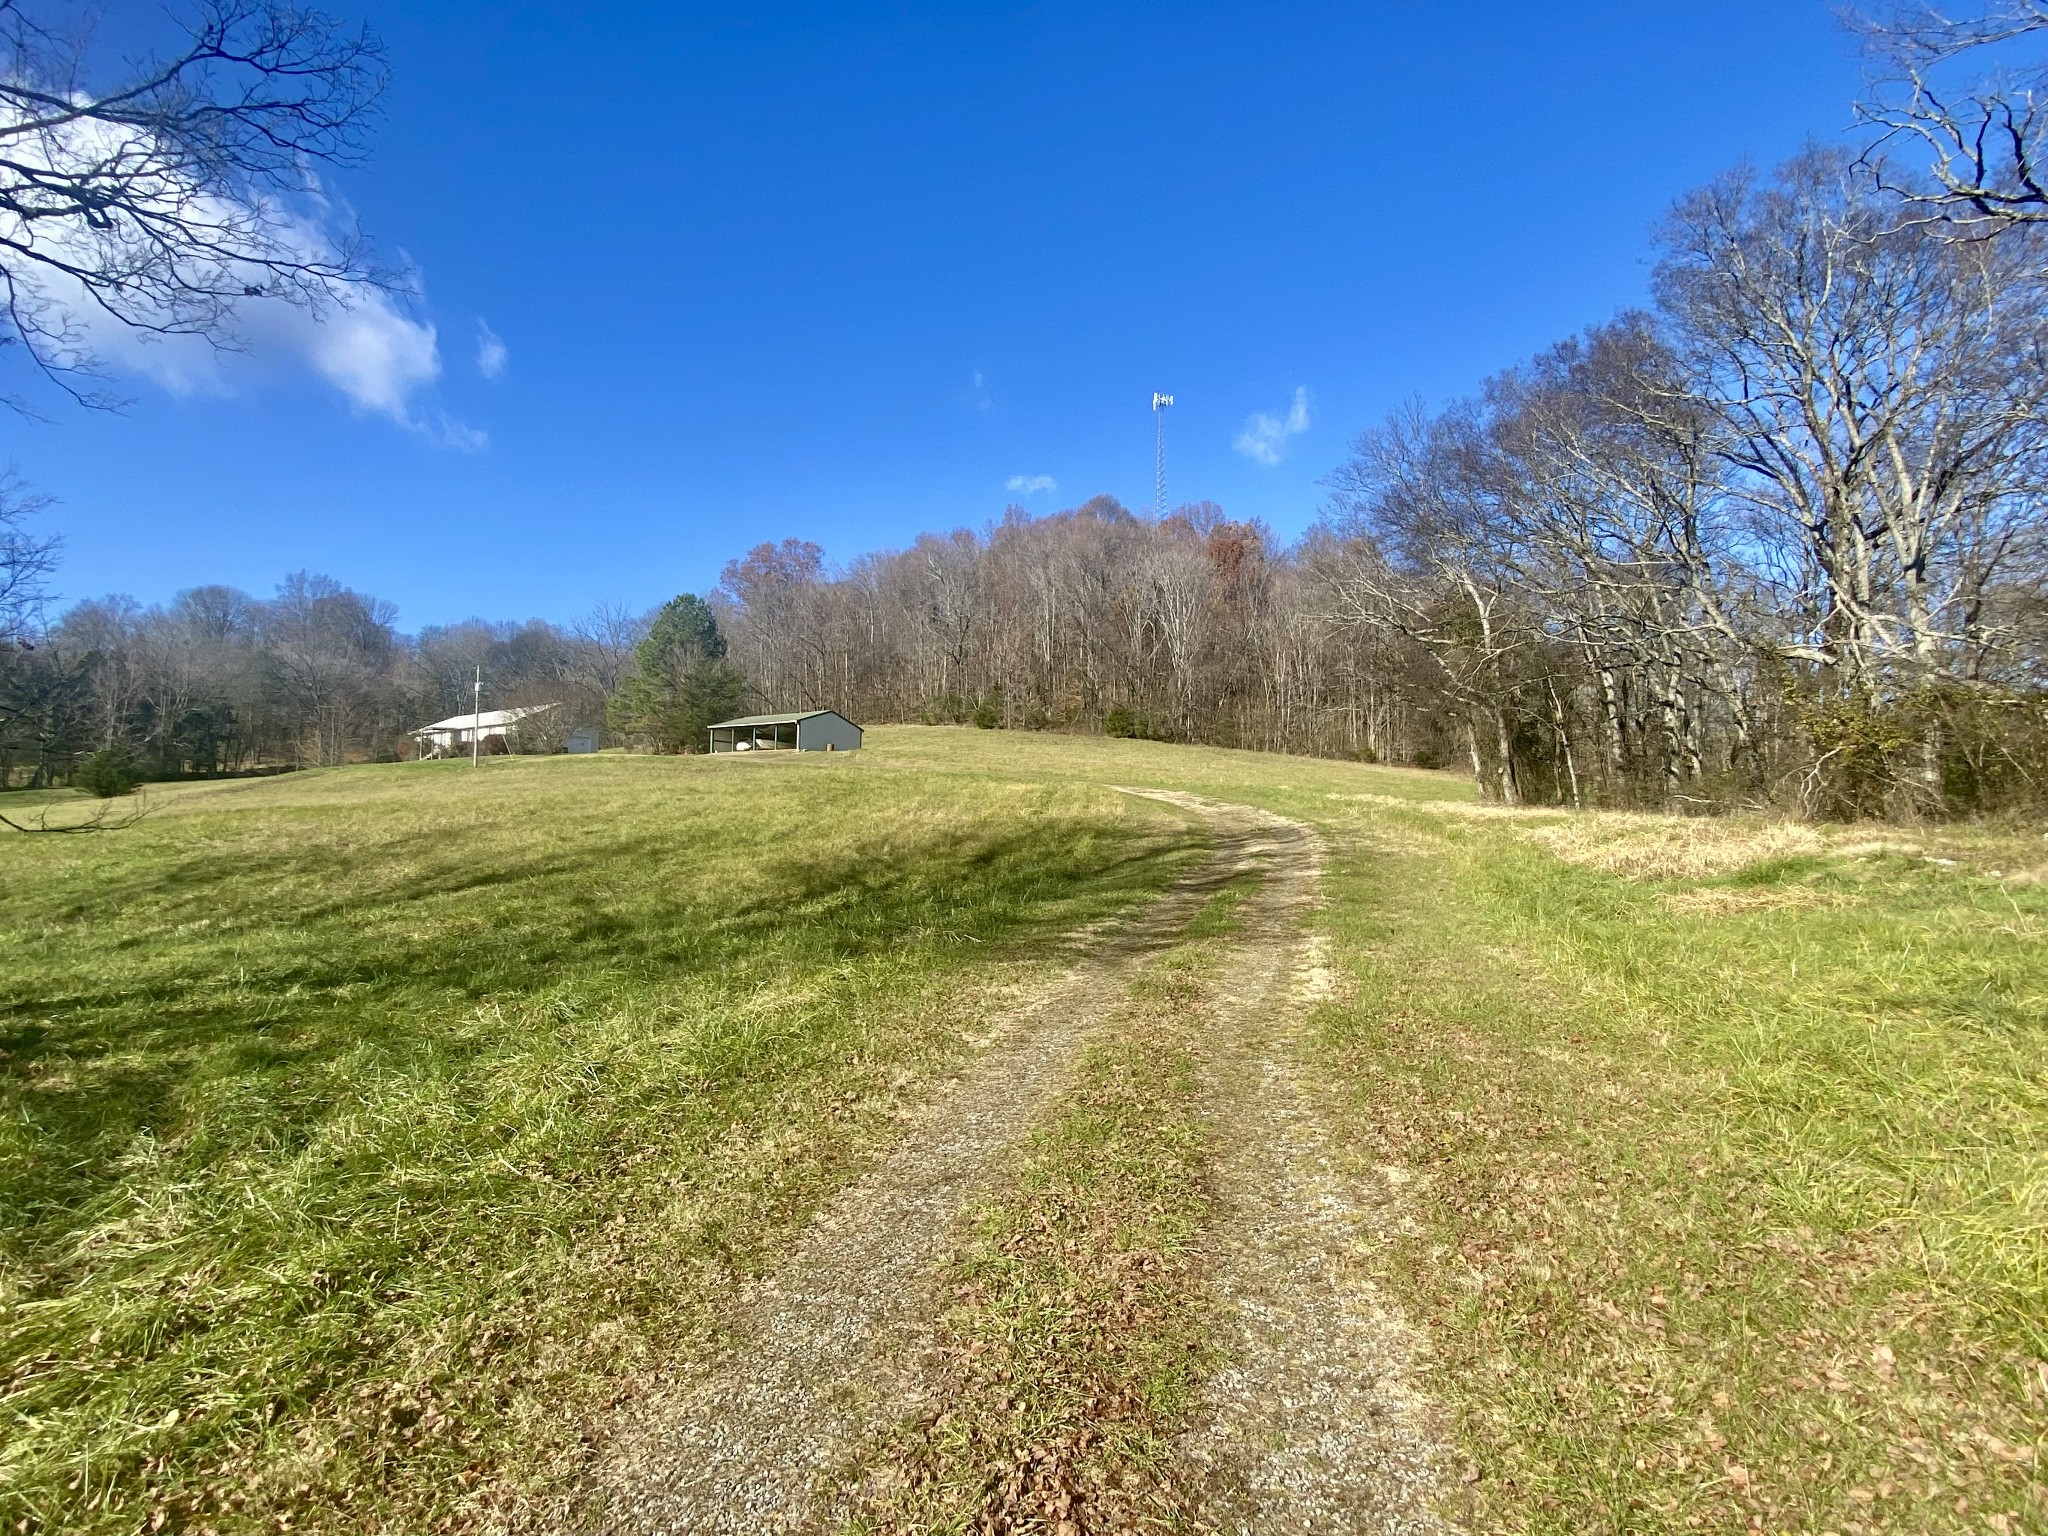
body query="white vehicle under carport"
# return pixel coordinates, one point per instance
(801, 730)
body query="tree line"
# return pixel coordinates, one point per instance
(219, 681)
(1774, 540)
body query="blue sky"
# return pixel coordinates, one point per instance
(844, 272)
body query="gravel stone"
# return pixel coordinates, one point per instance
(1316, 1422)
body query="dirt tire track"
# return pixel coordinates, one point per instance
(825, 1350)
(1314, 1422)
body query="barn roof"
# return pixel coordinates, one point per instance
(789, 719)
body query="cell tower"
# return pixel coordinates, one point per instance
(1159, 404)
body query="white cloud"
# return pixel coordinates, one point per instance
(1031, 485)
(364, 345)
(374, 355)
(358, 338)
(450, 433)
(491, 353)
(1265, 436)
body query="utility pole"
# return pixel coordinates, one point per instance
(1159, 404)
(476, 720)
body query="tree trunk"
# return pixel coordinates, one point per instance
(1510, 787)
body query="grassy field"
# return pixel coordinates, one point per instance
(360, 1126)
(1727, 1144)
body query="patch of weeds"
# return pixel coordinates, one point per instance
(1783, 871)
(1216, 918)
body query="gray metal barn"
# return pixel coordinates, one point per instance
(803, 730)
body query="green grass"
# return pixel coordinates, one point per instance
(369, 1121)
(1730, 1192)
(358, 1124)
(1735, 1215)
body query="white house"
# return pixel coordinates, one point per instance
(451, 737)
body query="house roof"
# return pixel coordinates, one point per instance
(485, 721)
(789, 719)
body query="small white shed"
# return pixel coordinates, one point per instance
(803, 730)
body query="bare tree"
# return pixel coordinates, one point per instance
(1622, 509)
(331, 649)
(1172, 592)
(166, 199)
(1884, 405)
(782, 657)
(26, 560)
(1423, 502)
(606, 639)
(1982, 133)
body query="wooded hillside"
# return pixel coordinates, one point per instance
(1776, 542)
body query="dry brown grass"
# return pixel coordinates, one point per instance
(1640, 846)
(1674, 847)
(1717, 901)
(1477, 810)
(1643, 847)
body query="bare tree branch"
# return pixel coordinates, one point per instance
(168, 199)
(102, 819)
(1984, 137)
(26, 559)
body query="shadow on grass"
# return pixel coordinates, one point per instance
(243, 1039)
